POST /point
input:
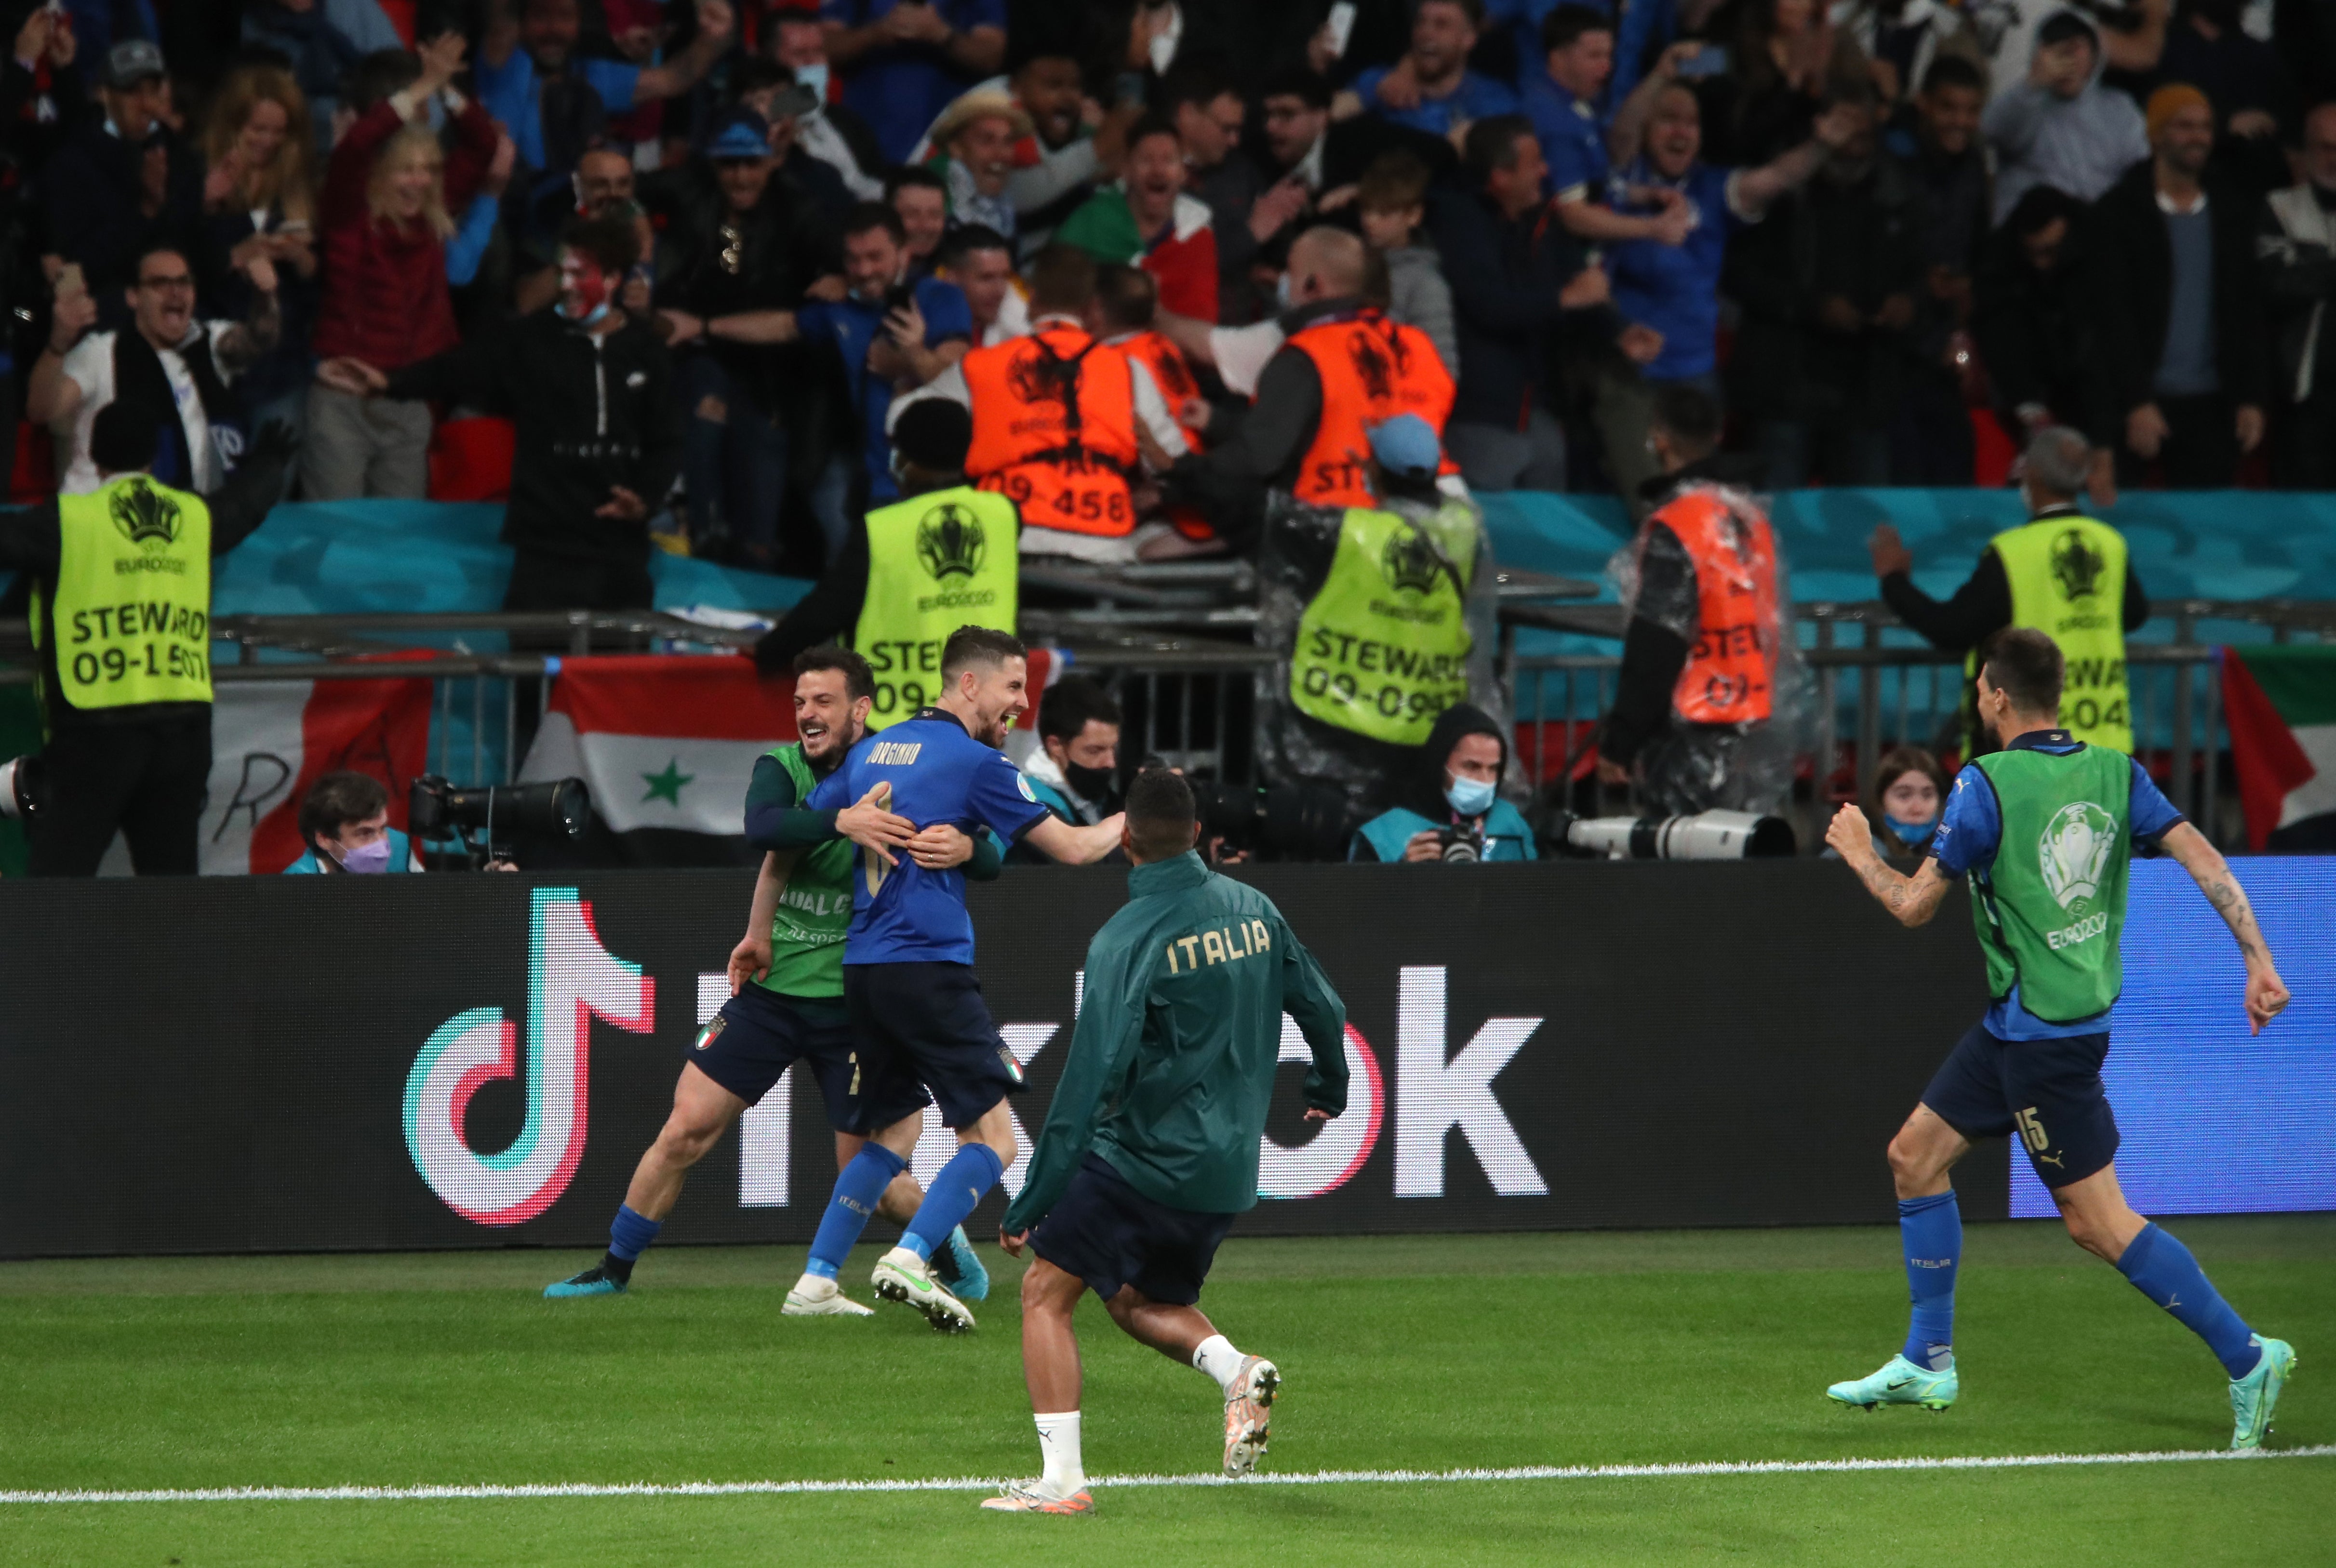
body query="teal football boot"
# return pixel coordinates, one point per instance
(958, 1266)
(1901, 1382)
(593, 1282)
(2252, 1396)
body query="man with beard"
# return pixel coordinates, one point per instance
(1074, 772)
(1147, 220)
(917, 1019)
(2033, 320)
(1208, 112)
(1439, 93)
(786, 982)
(603, 187)
(555, 104)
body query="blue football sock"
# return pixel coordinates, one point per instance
(1931, 1230)
(2163, 1270)
(858, 1186)
(963, 1182)
(630, 1234)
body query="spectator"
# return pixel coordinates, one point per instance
(1431, 88)
(769, 88)
(259, 201)
(2182, 328)
(171, 366)
(2038, 331)
(1673, 290)
(1789, 61)
(1827, 284)
(981, 262)
(902, 61)
(1908, 797)
(322, 44)
(1904, 39)
(2062, 127)
(2132, 37)
(742, 255)
(1930, 444)
(2061, 572)
(921, 198)
(1057, 170)
(556, 103)
(1127, 311)
(974, 143)
(1561, 100)
(604, 187)
(2243, 78)
(122, 182)
(384, 211)
(1147, 220)
(2296, 242)
(1392, 202)
(1075, 771)
(1511, 278)
(830, 133)
(892, 336)
(1306, 160)
(1452, 802)
(1695, 700)
(591, 391)
(345, 827)
(1208, 114)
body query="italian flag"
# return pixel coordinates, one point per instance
(272, 740)
(2281, 705)
(666, 744)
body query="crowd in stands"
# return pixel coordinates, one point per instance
(704, 252)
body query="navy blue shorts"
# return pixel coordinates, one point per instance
(759, 1034)
(2046, 1093)
(923, 1026)
(1109, 1234)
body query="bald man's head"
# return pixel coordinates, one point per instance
(1326, 264)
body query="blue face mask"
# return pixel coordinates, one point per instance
(1911, 833)
(368, 859)
(1470, 797)
(1281, 300)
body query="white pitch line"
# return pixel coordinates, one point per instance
(1300, 1478)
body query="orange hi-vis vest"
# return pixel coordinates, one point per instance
(1172, 375)
(1730, 672)
(1372, 369)
(1054, 430)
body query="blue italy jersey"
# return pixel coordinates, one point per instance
(903, 913)
(1970, 829)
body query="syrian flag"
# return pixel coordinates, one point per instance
(667, 745)
(272, 740)
(2281, 705)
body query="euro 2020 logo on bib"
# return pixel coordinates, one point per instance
(2074, 851)
(950, 543)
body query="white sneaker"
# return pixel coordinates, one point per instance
(1037, 1497)
(1249, 1414)
(816, 1296)
(902, 1276)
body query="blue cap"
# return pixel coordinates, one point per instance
(740, 133)
(1407, 446)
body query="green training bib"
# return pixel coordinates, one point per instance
(2050, 910)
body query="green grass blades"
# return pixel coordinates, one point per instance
(1413, 1353)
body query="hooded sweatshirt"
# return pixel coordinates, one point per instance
(1421, 805)
(2079, 146)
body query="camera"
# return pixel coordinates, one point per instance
(1460, 845)
(24, 788)
(1714, 835)
(1283, 822)
(436, 809)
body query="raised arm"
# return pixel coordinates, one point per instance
(2266, 996)
(1912, 900)
(688, 68)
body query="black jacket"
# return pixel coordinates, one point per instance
(2037, 335)
(1505, 274)
(592, 412)
(93, 191)
(2134, 287)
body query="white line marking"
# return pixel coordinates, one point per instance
(1302, 1478)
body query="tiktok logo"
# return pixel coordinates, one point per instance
(573, 978)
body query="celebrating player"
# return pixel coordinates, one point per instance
(786, 980)
(1181, 1033)
(917, 1014)
(2049, 918)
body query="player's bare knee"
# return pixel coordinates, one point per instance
(1912, 1164)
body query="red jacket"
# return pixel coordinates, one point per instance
(385, 293)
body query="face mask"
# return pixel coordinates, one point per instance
(368, 860)
(1281, 300)
(814, 78)
(1090, 784)
(591, 288)
(1915, 834)
(1471, 797)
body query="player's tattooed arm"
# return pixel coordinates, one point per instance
(1912, 900)
(2267, 995)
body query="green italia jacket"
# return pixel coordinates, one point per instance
(1172, 1065)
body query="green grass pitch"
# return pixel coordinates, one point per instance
(1415, 1353)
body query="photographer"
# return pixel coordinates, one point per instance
(1452, 809)
(345, 822)
(1075, 773)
